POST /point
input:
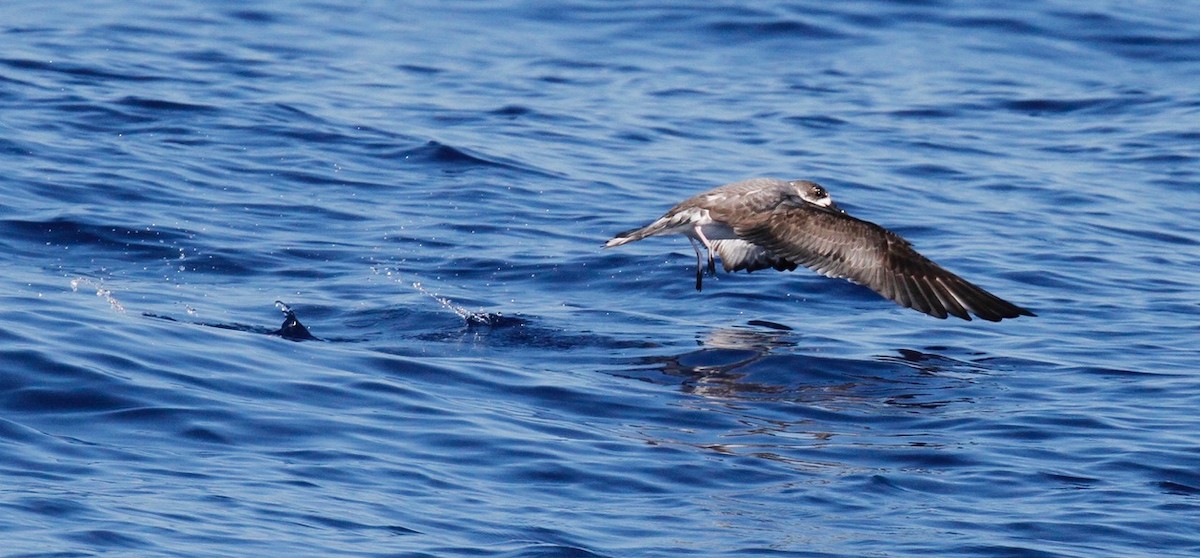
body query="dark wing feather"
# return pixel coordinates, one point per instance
(838, 245)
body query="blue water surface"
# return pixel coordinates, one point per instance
(426, 186)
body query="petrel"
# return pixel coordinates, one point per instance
(782, 224)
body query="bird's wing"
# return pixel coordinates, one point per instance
(838, 245)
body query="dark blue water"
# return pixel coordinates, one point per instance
(427, 187)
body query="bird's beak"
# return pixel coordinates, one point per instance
(835, 207)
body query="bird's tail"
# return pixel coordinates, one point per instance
(664, 225)
(625, 237)
(634, 235)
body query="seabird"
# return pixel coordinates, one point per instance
(782, 224)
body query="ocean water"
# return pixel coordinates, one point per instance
(426, 188)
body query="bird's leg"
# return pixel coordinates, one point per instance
(699, 265)
(712, 265)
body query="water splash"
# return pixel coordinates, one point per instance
(472, 318)
(101, 292)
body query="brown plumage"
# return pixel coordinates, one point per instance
(769, 223)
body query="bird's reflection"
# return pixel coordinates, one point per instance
(764, 337)
(813, 404)
(763, 360)
(717, 368)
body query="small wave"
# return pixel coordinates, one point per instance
(455, 159)
(75, 70)
(771, 29)
(253, 16)
(151, 241)
(163, 105)
(437, 152)
(1057, 106)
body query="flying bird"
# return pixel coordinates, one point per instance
(782, 224)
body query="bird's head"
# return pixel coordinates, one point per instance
(815, 194)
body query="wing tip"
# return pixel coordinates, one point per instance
(949, 295)
(1005, 310)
